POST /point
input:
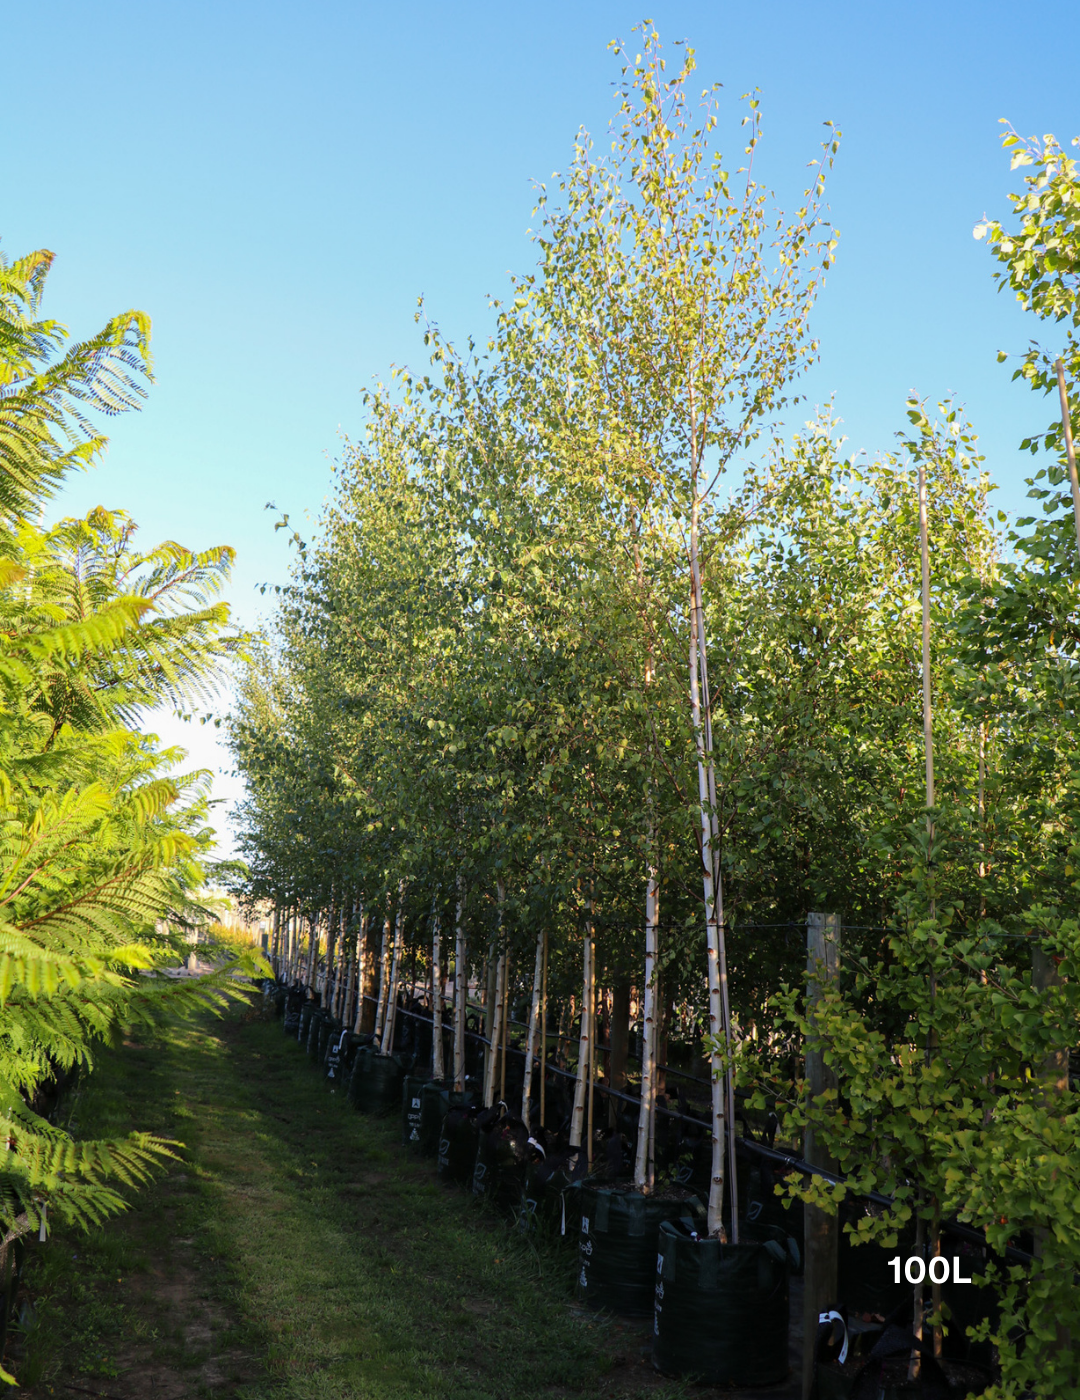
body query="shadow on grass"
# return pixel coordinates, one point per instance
(298, 1251)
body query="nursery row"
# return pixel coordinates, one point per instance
(597, 675)
(720, 1310)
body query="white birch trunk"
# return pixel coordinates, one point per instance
(495, 1037)
(313, 953)
(534, 1026)
(507, 1006)
(384, 972)
(350, 984)
(643, 1163)
(390, 1019)
(577, 1121)
(719, 1027)
(438, 1069)
(361, 969)
(461, 989)
(328, 987)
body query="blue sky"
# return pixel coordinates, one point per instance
(277, 184)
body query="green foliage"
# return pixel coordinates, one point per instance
(101, 833)
(479, 671)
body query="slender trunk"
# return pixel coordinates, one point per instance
(534, 1029)
(313, 953)
(438, 1070)
(643, 1164)
(507, 1008)
(543, 1034)
(384, 974)
(491, 986)
(577, 1121)
(331, 949)
(361, 970)
(562, 1032)
(592, 1064)
(395, 973)
(918, 1295)
(276, 960)
(350, 985)
(722, 1105)
(495, 1034)
(461, 990)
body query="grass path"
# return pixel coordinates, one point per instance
(297, 1251)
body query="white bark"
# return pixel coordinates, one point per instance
(361, 969)
(384, 974)
(533, 1036)
(438, 1070)
(313, 952)
(495, 1037)
(328, 986)
(390, 1019)
(719, 1016)
(643, 1163)
(350, 984)
(461, 989)
(577, 1121)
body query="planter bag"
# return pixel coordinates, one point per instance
(617, 1246)
(336, 1059)
(457, 1145)
(375, 1082)
(294, 1002)
(436, 1101)
(412, 1101)
(329, 1034)
(303, 1025)
(501, 1161)
(551, 1198)
(316, 1033)
(721, 1310)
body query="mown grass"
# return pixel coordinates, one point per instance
(298, 1251)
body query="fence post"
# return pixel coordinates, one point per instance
(821, 1232)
